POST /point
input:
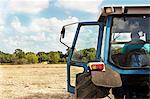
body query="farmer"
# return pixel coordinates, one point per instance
(132, 45)
(137, 44)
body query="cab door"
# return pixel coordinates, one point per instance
(86, 47)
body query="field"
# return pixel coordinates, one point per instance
(39, 81)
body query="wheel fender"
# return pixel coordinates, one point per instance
(107, 78)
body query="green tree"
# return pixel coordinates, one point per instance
(85, 55)
(1, 57)
(63, 58)
(91, 54)
(54, 57)
(5, 57)
(42, 57)
(19, 53)
(19, 57)
(31, 57)
(20, 61)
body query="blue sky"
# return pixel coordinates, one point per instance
(35, 25)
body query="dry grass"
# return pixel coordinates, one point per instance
(37, 81)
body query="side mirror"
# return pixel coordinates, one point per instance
(62, 36)
(63, 32)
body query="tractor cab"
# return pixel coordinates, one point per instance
(113, 52)
(129, 36)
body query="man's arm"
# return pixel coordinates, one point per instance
(147, 47)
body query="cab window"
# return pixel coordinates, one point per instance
(130, 41)
(86, 44)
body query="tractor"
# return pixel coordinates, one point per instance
(114, 52)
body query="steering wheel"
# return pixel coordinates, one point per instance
(137, 58)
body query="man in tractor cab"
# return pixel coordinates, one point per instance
(133, 44)
(136, 52)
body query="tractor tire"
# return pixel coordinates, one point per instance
(85, 88)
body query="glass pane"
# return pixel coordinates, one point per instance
(129, 41)
(86, 45)
(69, 34)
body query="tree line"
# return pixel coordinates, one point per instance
(20, 57)
(84, 55)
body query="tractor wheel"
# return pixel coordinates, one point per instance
(86, 89)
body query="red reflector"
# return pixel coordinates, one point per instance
(97, 66)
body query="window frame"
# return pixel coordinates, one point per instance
(110, 44)
(97, 57)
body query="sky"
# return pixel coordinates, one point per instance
(35, 25)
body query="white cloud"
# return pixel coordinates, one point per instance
(39, 25)
(1, 22)
(90, 6)
(16, 24)
(45, 30)
(41, 30)
(50, 25)
(38, 37)
(1, 28)
(28, 6)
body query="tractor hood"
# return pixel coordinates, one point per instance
(107, 78)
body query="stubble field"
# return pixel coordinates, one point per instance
(39, 81)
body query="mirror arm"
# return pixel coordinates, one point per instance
(63, 34)
(63, 43)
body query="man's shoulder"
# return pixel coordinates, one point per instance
(138, 40)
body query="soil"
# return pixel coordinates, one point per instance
(39, 81)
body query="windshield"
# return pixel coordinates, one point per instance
(130, 41)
